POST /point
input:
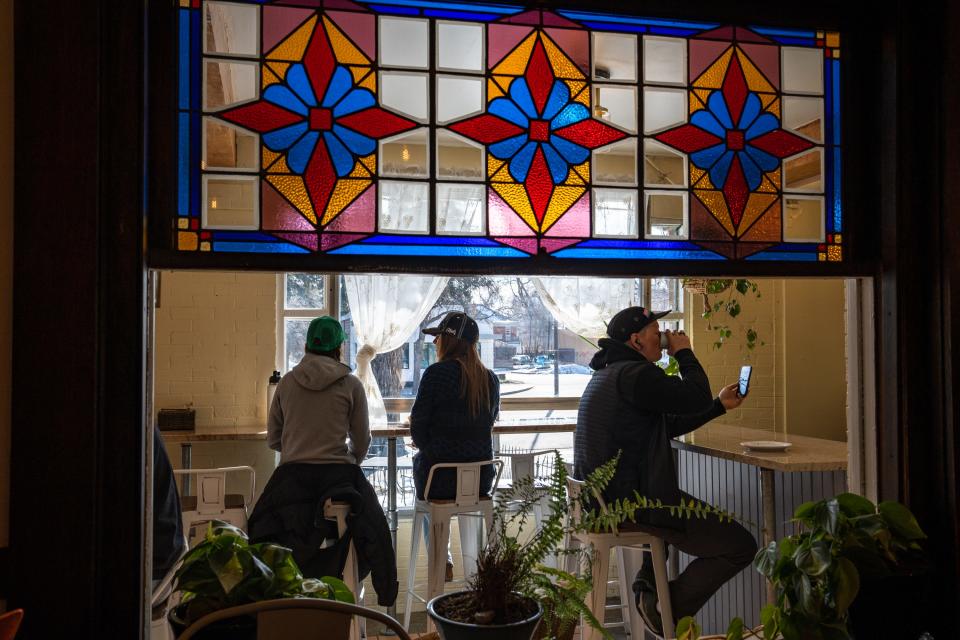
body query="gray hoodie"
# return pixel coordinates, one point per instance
(317, 405)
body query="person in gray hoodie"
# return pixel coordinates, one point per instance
(319, 412)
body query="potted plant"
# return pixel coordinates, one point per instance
(724, 296)
(225, 570)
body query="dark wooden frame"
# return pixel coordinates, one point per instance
(85, 94)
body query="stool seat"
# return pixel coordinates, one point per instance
(230, 501)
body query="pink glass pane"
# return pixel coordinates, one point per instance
(767, 60)
(527, 17)
(333, 240)
(528, 245)
(702, 54)
(727, 250)
(704, 226)
(552, 19)
(359, 216)
(360, 27)
(720, 33)
(306, 240)
(555, 244)
(502, 39)
(575, 44)
(745, 35)
(575, 222)
(278, 22)
(342, 4)
(502, 221)
(277, 214)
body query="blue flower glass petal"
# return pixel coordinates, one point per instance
(282, 139)
(764, 124)
(506, 148)
(298, 81)
(718, 172)
(750, 170)
(718, 107)
(520, 164)
(340, 83)
(357, 143)
(764, 160)
(508, 110)
(751, 109)
(354, 101)
(282, 96)
(706, 121)
(300, 153)
(520, 93)
(558, 168)
(559, 96)
(570, 114)
(571, 151)
(706, 157)
(342, 160)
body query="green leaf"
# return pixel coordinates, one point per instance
(804, 512)
(852, 505)
(847, 585)
(687, 629)
(813, 558)
(766, 559)
(770, 619)
(742, 286)
(901, 520)
(341, 591)
(735, 630)
(734, 309)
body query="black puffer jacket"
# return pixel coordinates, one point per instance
(290, 513)
(630, 405)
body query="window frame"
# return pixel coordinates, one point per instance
(331, 298)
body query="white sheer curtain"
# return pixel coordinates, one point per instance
(386, 309)
(585, 305)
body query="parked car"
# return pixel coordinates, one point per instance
(543, 361)
(521, 361)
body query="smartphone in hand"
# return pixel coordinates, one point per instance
(744, 387)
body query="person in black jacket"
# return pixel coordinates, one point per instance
(633, 407)
(453, 415)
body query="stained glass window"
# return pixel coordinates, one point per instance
(420, 127)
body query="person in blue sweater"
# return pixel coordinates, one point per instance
(453, 415)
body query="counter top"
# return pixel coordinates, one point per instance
(805, 454)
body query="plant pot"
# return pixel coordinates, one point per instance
(456, 630)
(233, 629)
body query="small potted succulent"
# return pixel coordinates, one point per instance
(225, 570)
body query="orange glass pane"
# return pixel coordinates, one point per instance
(370, 82)
(516, 197)
(344, 192)
(583, 97)
(766, 186)
(343, 49)
(560, 202)
(717, 206)
(280, 166)
(834, 253)
(493, 165)
(563, 67)
(712, 78)
(187, 240)
(767, 228)
(370, 162)
(205, 246)
(268, 157)
(493, 90)
(279, 68)
(516, 63)
(774, 107)
(359, 73)
(294, 190)
(295, 44)
(757, 204)
(755, 79)
(695, 175)
(696, 104)
(268, 78)
(359, 171)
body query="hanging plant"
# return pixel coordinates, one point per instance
(725, 297)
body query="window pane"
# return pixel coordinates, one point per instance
(294, 337)
(229, 147)
(802, 70)
(404, 207)
(231, 29)
(405, 93)
(663, 109)
(460, 209)
(615, 213)
(460, 46)
(405, 155)
(304, 291)
(616, 105)
(228, 83)
(403, 42)
(802, 219)
(458, 157)
(458, 97)
(230, 202)
(664, 60)
(614, 56)
(616, 163)
(804, 172)
(665, 214)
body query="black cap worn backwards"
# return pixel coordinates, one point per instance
(630, 321)
(458, 325)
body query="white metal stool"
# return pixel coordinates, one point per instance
(212, 502)
(468, 502)
(339, 511)
(602, 544)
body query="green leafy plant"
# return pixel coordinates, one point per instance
(726, 297)
(225, 570)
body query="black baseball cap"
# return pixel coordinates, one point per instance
(632, 320)
(456, 324)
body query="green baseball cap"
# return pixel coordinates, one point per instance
(324, 334)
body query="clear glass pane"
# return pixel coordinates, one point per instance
(663, 294)
(231, 29)
(404, 207)
(615, 213)
(405, 93)
(804, 116)
(229, 147)
(230, 202)
(461, 209)
(663, 166)
(804, 172)
(458, 157)
(405, 155)
(615, 56)
(616, 163)
(663, 109)
(229, 83)
(458, 97)
(403, 42)
(803, 219)
(664, 60)
(294, 338)
(616, 105)
(304, 291)
(459, 46)
(665, 214)
(802, 70)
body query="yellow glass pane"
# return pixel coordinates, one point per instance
(294, 45)
(766, 186)
(280, 166)
(766, 99)
(560, 202)
(774, 108)
(279, 68)
(833, 39)
(343, 49)
(757, 203)
(822, 257)
(583, 170)
(834, 253)
(370, 82)
(187, 241)
(717, 206)
(703, 94)
(359, 73)
(712, 78)
(516, 197)
(516, 63)
(583, 97)
(563, 67)
(294, 190)
(576, 86)
(765, 229)
(819, 34)
(837, 238)
(493, 165)
(573, 178)
(503, 82)
(370, 162)
(493, 90)
(183, 223)
(344, 192)
(359, 171)
(755, 79)
(204, 246)
(695, 103)
(502, 175)
(695, 174)
(268, 157)
(775, 178)
(836, 53)
(268, 78)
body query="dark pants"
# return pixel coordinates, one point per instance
(720, 549)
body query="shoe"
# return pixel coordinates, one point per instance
(448, 576)
(644, 587)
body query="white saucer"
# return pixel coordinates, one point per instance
(766, 445)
